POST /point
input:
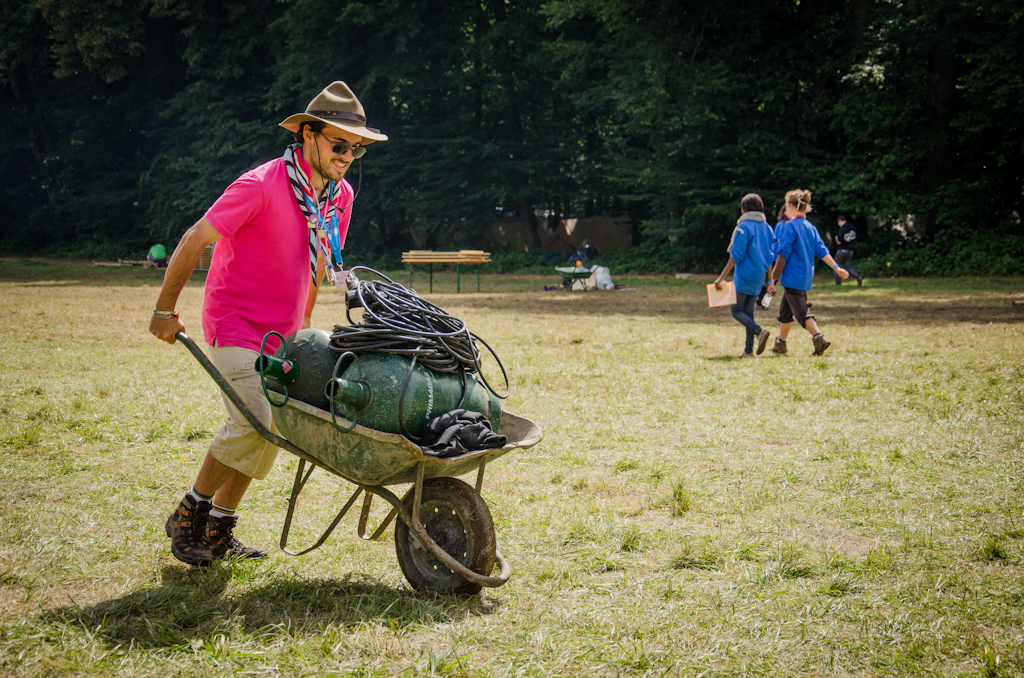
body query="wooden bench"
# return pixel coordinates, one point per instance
(127, 263)
(427, 259)
(205, 258)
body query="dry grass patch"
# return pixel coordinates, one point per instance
(687, 513)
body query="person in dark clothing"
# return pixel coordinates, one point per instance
(846, 240)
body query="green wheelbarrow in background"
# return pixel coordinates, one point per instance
(444, 535)
(571, 274)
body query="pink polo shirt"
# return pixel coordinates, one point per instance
(260, 274)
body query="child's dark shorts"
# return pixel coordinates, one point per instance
(794, 305)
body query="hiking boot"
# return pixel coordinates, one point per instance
(779, 347)
(223, 543)
(820, 344)
(187, 529)
(762, 341)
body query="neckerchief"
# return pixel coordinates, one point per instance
(321, 217)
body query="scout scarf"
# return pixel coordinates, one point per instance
(321, 218)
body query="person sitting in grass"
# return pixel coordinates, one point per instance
(750, 252)
(157, 256)
(799, 244)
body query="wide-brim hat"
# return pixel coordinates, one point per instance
(336, 105)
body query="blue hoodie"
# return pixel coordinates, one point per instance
(799, 243)
(751, 249)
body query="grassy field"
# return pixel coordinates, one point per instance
(688, 513)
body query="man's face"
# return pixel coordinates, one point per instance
(321, 156)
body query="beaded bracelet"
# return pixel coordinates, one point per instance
(165, 315)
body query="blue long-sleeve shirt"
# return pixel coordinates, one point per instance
(751, 250)
(799, 244)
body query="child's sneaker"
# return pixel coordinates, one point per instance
(762, 341)
(820, 344)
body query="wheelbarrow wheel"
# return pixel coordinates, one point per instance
(458, 520)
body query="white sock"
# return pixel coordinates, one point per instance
(196, 497)
(221, 512)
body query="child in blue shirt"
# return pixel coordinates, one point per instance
(799, 244)
(750, 253)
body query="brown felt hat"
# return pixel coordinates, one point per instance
(336, 105)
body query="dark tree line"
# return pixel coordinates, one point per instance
(122, 120)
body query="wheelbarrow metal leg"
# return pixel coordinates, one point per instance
(297, 486)
(364, 516)
(417, 497)
(480, 475)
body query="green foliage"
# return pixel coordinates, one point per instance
(514, 261)
(923, 120)
(99, 37)
(127, 118)
(653, 256)
(998, 253)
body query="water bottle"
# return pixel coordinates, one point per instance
(766, 300)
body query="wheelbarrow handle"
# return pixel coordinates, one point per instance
(236, 399)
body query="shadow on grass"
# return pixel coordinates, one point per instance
(192, 605)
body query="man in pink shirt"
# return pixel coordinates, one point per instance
(279, 228)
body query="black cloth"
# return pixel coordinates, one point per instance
(582, 254)
(459, 431)
(847, 236)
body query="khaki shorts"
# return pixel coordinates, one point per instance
(237, 445)
(794, 305)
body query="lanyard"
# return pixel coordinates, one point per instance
(320, 224)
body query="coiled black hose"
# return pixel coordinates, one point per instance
(400, 322)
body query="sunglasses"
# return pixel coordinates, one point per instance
(342, 147)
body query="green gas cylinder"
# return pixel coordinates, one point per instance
(370, 391)
(303, 363)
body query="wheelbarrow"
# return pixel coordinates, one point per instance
(444, 537)
(571, 274)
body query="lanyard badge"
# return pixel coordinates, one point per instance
(319, 223)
